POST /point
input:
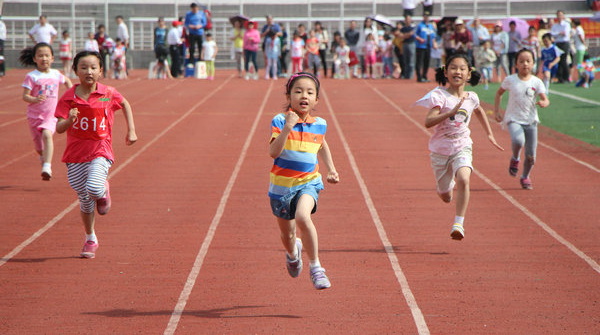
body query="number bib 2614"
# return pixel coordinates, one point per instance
(91, 123)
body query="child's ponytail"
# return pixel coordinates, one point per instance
(440, 73)
(440, 76)
(27, 54)
(475, 76)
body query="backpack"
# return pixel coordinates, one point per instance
(208, 19)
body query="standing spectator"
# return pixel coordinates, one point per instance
(579, 39)
(448, 39)
(91, 44)
(251, 43)
(312, 48)
(398, 42)
(425, 36)
(479, 34)
(409, 7)
(175, 42)
(2, 39)
(532, 43)
(387, 57)
(122, 31)
(370, 49)
(209, 55)
(342, 59)
(542, 29)
(500, 46)
(352, 36)
(66, 53)
(514, 45)
(119, 60)
(428, 7)
(297, 52)
(337, 38)
(43, 32)
(161, 51)
(463, 39)
(486, 59)
(272, 52)
(269, 26)
(195, 20)
(283, 41)
(561, 31)
(101, 37)
(323, 38)
(237, 36)
(369, 27)
(408, 47)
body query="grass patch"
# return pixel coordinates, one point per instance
(568, 116)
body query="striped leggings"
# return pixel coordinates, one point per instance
(88, 179)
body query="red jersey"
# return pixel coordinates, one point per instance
(90, 136)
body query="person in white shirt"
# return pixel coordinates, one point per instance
(43, 31)
(409, 7)
(91, 44)
(561, 31)
(480, 34)
(579, 40)
(174, 42)
(2, 39)
(122, 31)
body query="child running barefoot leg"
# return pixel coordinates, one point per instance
(450, 112)
(297, 138)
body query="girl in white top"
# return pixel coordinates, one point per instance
(450, 111)
(66, 54)
(521, 117)
(91, 44)
(342, 59)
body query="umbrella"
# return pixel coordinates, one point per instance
(596, 17)
(240, 18)
(445, 19)
(522, 26)
(381, 19)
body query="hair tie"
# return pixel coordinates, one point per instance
(473, 69)
(443, 67)
(301, 74)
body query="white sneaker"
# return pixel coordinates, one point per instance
(46, 172)
(458, 232)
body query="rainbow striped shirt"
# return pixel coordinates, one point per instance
(297, 166)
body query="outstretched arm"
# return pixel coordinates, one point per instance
(332, 175)
(131, 135)
(486, 126)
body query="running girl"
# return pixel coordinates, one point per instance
(40, 91)
(450, 111)
(521, 117)
(86, 112)
(66, 54)
(296, 139)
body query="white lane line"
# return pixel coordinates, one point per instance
(13, 121)
(408, 295)
(593, 264)
(587, 165)
(69, 208)
(574, 97)
(195, 271)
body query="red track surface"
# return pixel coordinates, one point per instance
(507, 276)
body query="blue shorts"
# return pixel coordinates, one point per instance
(553, 71)
(285, 207)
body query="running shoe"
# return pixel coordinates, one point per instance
(513, 168)
(526, 184)
(294, 266)
(318, 278)
(103, 204)
(89, 249)
(458, 232)
(46, 173)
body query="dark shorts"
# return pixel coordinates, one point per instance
(285, 207)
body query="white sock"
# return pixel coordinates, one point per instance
(547, 84)
(48, 165)
(294, 255)
(315, 264)
(459, 219)
(91, 237)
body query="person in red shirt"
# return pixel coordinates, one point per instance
(86, 112)
(463, 40)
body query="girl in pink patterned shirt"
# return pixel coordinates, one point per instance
(450, 111)
(40, 91)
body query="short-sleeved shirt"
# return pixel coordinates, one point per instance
(550, 53)
(514, 37)
(561, 27)
(43, 33)
(298, 164)
(453, 134)
(46, 83)
(297, 48)
(90, 136)
(522, 94)
(425, 31)
(209, 48)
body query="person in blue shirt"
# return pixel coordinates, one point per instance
(425, 40)
(195, 20)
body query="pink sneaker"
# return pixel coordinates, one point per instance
(89, 249)
(513, 168)
(103, 204)
(526, 184)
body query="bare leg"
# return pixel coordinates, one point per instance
(306, 226)
(288, 234)
(463, 191)
(48, 146)
(88, 222)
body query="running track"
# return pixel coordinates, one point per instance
(190, 245)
